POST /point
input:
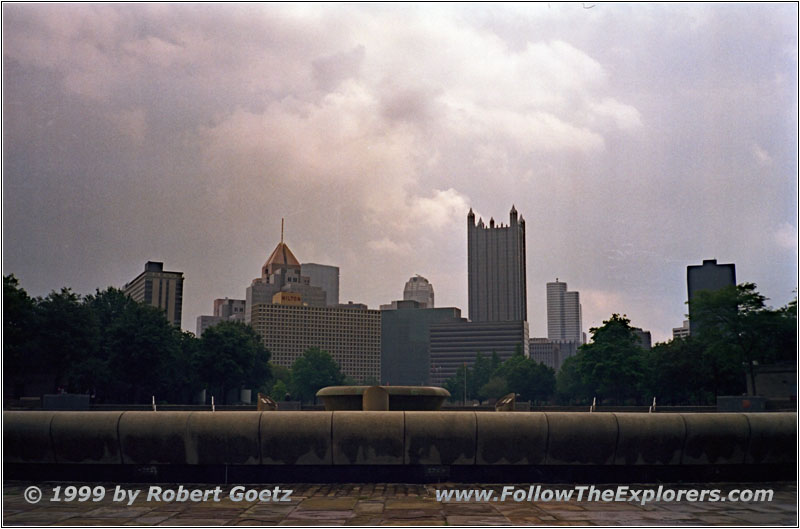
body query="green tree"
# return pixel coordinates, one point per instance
(526, 377)
(231, 356)
(455, 384)
(495, 388)
(312, 371)
(738, 330)
(678, 373)
(612, 366)
(66, 336)
(570, 388)
(21, 357)
(481, 373)
(278, 391)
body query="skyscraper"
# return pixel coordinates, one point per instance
(325, 277)
(496, 270)
(563, 313)
(160, 289)
(282, 273)
(405, 341)
(708, 276)
(419, 289)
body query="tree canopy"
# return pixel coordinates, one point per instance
(231, 355)
(312, 371)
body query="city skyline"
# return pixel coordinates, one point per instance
(638, 139)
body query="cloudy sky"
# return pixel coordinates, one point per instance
(635, 139)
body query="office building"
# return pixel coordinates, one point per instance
(643, 338)
(351, 335)
(708, 276)
(158, 288)
(405, 341)
(229, 308)
(325, 277)
(545, 352)
(681, 332)
(282, 272)
(455, 344)
(496, 270)
(563, 313)
(420, 290)
(225, 309)
(553, 353)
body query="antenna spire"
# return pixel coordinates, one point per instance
(281, 230)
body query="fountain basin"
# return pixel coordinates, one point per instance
(401, 398)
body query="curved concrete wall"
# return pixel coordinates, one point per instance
(399, 438)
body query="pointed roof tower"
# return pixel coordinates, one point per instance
(281, 257)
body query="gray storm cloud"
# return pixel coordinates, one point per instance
(634, 138)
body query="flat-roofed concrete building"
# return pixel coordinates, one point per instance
(325, 277)
(552, 353)
(496, 270)
(457, 343)
(643, 338)
(225, 309)
(405, 341)
(681, 332)
(159, 288)
(351, 335)
(708, 276)
(545, 352)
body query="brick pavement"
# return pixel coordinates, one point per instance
(392, 504)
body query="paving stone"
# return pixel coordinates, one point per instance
(410, 514)
(106, 522)
(319, 515)
(118, 512)
(40, 515)
(469, 508)
(370, 520)
(401, 505)
(756, 518)
(195, 521)
(551, 507)
(411, 504)
(328, 504)
(151, 519)
(316, 522)
(368, 507)
(420, 522)
(478, 520)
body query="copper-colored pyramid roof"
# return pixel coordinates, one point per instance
(281, 256)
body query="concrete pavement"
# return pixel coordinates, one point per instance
(390, 504)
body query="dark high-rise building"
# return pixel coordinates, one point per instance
(496, 270)
(708, 276)
(405, 341)
(458, 343)
(158, 288)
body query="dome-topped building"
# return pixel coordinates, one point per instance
(419, 289)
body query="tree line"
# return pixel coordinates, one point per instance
(734, 331)
(121, 351)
